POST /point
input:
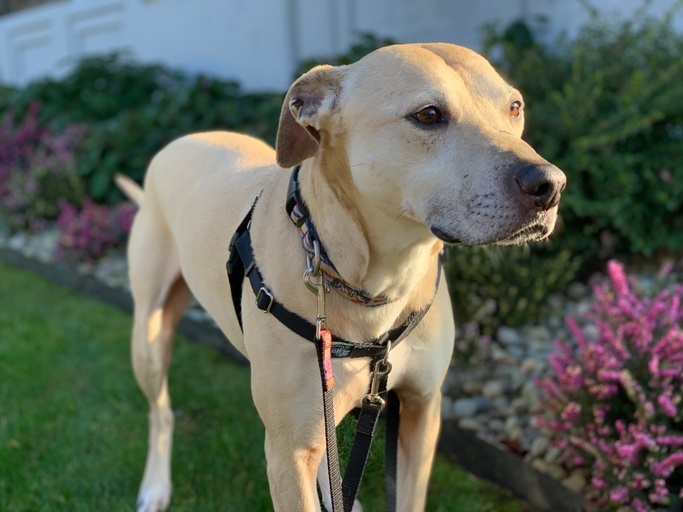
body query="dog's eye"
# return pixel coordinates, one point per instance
(428, 116)
(515, 108)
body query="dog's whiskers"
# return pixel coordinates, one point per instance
(401, 212)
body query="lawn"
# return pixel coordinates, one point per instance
(73, 423)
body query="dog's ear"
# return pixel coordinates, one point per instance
(307, 102)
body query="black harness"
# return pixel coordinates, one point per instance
(241, 264)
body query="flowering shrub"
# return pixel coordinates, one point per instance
(614, 399)
(86, 234)
(37, 169)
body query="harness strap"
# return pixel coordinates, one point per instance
(235, 265)
(241, 263)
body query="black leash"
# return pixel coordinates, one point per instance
(241, 264)
(393, 412)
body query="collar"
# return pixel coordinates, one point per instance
(241, 264)
(313, 247)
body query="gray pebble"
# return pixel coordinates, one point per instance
(493, 389)
(556, 472)
(501, 407)
(539, 446)
(576, 481)
(465, 407)
(519, 405)
(538, 333)
(517, 353)
(555, 322)
(500, 355)
(511, 423)
(496, 425)
(556, 301)
(470, 424)
(508, 336)
(577, 291)
(552, 454)
(472, 387)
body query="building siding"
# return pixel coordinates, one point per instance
(257, 42)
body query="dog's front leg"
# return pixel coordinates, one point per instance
(292, 474)
(286, 391)
(418, 433)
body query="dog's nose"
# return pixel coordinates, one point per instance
(543, 183)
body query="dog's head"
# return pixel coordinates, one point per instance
(431, 132)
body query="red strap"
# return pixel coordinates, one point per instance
(326, 337)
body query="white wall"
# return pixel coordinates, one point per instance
(258, 42)
(228, 38)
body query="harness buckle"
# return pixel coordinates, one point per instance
(313, 264)
(265, 308)
(380, 372)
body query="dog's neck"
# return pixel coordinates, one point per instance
(371, 248)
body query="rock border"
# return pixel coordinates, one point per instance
(510, 471)
(464, 447)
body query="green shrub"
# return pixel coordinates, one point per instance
(607, 108)
(98, 89)
(127, 142)
(133, 110)
(506, 285)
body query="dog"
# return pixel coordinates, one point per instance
(410, 148)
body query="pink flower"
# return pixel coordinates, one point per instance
(627, 451)
(639, 506)
(670, 440)
(618, 277)
(619, 494)
(630, 378)
(598, 483)
(666, 467)
(667, 405)
(571, 412)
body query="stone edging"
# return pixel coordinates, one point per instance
(508, 470)
(462, 446)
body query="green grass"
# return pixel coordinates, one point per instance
(73, 423)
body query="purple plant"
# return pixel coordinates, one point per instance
(18, 143)
(614, 398)
(86, 234)
(37, 169)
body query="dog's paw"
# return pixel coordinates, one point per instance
(154, 499)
